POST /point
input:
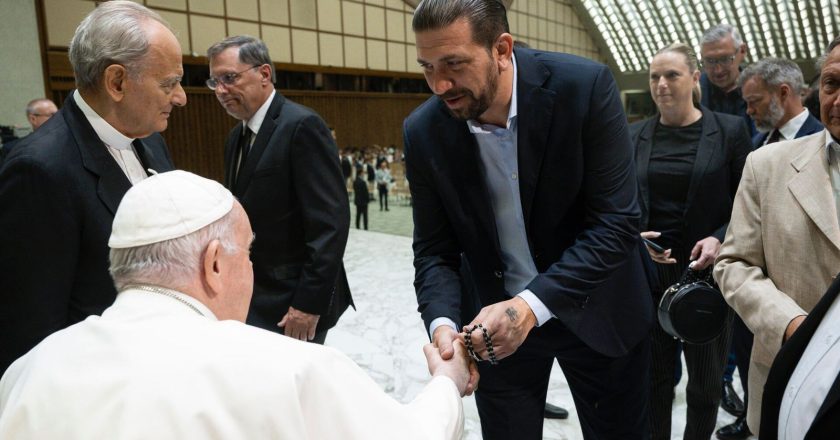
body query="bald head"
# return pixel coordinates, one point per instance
(39, 111)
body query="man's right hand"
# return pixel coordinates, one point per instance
(444, 339)
(460, 368)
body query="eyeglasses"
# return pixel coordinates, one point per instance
(228, 79)
(710, 63)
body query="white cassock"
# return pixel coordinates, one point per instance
(151, 368)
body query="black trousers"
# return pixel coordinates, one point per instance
(362, 213)
(383, 195)
(704, 365)
(610, 394)
(742, 342)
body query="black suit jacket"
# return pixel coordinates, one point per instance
(59, 190)
(293, 190)
(578, 190)
(827, 423)
(721, 154)
(811, 126)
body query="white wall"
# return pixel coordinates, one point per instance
(20, 61)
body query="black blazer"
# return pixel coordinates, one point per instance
(293, 191)
(723, 149)
(59, 190)
(812, 125)
(361, 195)
(827, 423)
(578, 189)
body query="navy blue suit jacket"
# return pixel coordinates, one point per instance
(811, 126)
(59, 190)
(578, 191)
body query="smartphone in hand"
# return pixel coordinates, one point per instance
(656, 248)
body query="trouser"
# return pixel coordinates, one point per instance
(383, 196)
(742, 342)
(704, 366)
(362, 213)
(610, 394)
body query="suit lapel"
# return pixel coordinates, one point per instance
(811, 187)
(710, 138)
(148, 158)
(463, 163)
(644, 145)
(258, 146)
(112, 181)
(811, 126)
(532, 120)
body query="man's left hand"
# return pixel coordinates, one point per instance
(299, 325)
(508, 324)
(704, 253)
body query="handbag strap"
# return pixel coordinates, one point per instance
(692, 276)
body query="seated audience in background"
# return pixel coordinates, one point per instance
(60, 188)
(689, 161)
(172, 357)
(782, 248)
(38, 111)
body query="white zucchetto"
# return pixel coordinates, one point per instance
(166, 206)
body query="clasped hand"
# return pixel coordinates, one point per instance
(507, 323)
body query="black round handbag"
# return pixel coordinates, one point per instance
(692, 310)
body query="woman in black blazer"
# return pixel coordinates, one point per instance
(689, 161)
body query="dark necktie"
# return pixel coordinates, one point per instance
(775, 136)
(242, 150)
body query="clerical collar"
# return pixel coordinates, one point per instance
(106, 132)
(256, 121)
(186, 301)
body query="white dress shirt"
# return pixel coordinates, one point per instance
(812, 379)
(117, 143)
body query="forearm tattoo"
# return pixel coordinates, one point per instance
(512, 314)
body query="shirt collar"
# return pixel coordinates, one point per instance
(830, 143)
(792, 126)
(477, 127)
(256, 121)
(106, 132)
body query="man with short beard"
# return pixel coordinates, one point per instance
(722, 51)
(526, 224)
(771, 90)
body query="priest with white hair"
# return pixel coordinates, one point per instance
(173, 359)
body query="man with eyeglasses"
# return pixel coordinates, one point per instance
(60, 187)
(282, 164)
(722, 51)
(38, 111)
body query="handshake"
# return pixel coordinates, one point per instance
(453, 363)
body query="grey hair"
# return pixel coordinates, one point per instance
(775, 72)
(171, 263)
(821, 60)
(252, 51)
(30, 107)
(487, 18)
(111, 34)
(690, 60)
(721, 31)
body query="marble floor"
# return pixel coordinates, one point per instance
(385, 334)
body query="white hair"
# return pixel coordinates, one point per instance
(719, 32)
(111, 34)
(171, 263)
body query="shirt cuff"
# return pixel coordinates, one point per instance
(437, 322)
(540, 310)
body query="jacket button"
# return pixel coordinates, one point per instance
(498, 273)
